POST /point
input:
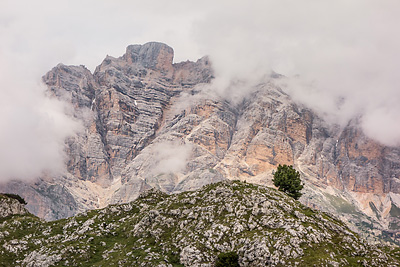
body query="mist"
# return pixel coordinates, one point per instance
(33, 130)
(341, 58)
(170, 157)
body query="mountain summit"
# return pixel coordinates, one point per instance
(152, 123)
(155, 56)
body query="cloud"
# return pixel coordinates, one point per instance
(341, 58)
(170, 157)
(382, 123)
(33, 130)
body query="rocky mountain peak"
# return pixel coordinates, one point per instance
(153, 55)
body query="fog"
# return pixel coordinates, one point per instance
(170, 157)
(341, 58)
(33, 130)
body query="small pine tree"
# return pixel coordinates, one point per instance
(288, 180)
(227, 259)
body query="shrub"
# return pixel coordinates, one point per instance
(17, 197)
(227, 259)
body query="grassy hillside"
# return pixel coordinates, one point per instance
(263, 226)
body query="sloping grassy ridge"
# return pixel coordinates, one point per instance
(262, 225)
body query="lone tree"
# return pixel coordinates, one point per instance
(288, 180)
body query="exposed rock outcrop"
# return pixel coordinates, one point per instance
(11, 206)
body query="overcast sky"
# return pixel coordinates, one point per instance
(341, 58)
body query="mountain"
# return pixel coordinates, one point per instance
(152, 123)
(263, 226)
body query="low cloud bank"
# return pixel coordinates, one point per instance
(340, 58)
(33, 130)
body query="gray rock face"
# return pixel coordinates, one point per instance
(152, 123)
(123, 105)
(45, 197)
(151, 55)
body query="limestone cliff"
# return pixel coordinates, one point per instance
(154, 123)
